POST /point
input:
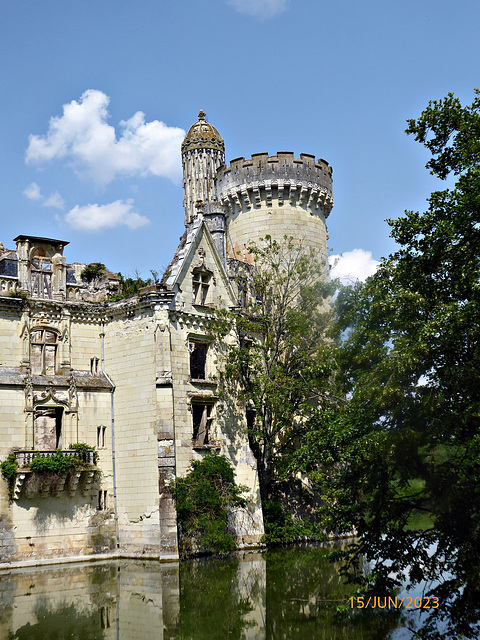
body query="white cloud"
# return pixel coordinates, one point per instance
(55, 200)
(95, 217)
(82, 136)
(259, 8)
(33, 192)
(352, 266)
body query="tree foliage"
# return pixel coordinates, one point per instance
(278, 362)
(402, 463)
(93, 271)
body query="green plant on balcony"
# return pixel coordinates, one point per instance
(84, 448)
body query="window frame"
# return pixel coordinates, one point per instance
(43, 343)
(202, 437)
(202, 281)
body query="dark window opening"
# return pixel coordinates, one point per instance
(102, 500)
(198, 360)
(202, 420)
(48, 428)
(250, 415)
(101, 433)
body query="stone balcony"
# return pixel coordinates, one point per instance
(42, 484)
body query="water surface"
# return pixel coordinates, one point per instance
(281, 594)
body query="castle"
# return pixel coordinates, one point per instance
(135, 378)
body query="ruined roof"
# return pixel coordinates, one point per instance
(202, 135)
(39, 239)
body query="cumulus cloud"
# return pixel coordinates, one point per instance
(33, 192)
(82, 136)
(55, 200)
(259, 8)
(352, 266)
(95, 217)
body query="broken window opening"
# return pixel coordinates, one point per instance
(202, 416)
(48, 428)
(201, 287)
(43, 352)
(41, 275)
(198, 360)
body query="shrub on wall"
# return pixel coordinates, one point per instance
(204, 498)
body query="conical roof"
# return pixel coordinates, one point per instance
(202, 135)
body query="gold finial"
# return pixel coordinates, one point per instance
(201, 115)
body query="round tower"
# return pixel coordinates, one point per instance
(203, 151)
(278, 196)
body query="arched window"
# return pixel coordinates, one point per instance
(43, 352)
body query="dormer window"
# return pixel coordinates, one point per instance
(202, 280)
(41, 275)
(43, 352)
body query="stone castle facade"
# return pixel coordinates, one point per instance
(136, 378)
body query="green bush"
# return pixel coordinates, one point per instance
(203, 500)
(9, 469)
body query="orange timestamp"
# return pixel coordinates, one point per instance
(390, 602)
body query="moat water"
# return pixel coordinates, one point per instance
(285, 594)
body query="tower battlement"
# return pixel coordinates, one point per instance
(282, 166)
(246, 183)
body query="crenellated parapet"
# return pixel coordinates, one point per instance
(275, 180)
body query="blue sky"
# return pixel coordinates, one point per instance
(97, 95)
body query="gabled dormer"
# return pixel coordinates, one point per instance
(41, 267)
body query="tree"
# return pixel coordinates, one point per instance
(278, 362)
(402, 463)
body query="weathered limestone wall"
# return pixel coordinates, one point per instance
(10, 340)
(130, 362)
(67, 524)
(85, 340)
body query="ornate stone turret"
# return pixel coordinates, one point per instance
(203, 151)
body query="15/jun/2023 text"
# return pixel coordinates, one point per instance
(389, 602)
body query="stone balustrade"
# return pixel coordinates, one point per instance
(8, 285)
(25, 457)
